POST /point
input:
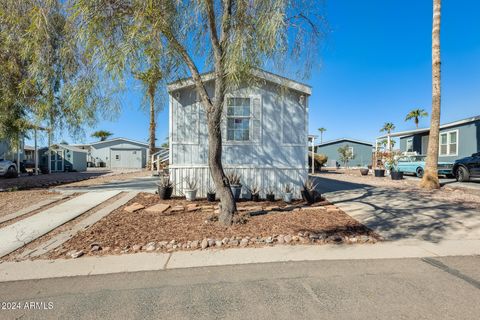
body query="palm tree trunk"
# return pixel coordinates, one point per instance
(151, 147)
(430, 178)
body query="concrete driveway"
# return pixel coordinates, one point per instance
(401, 214)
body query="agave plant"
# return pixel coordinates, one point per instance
(234, 178)
(165, 182)
(190, 183)
(255, 189)
(288, 188)
(210, 189)
(309, 185)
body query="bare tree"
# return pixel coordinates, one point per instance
(232, 37)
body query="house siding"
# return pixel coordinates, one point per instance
(468, 141)
(362, 152)
(101, 152)
(275, 156)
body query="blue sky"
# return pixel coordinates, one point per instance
(375, 67)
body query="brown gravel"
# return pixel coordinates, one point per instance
(13, 201)
(122, 230)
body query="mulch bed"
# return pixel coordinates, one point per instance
(126, 232)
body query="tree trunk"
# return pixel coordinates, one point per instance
(151, 94)
(430, 178)
(227, 201)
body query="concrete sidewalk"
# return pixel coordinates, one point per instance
(26, 230)
(41, 269)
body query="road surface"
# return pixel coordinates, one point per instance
(440, 288)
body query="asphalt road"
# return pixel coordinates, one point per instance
(441, 288)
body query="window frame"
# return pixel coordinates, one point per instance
(249, 117)
(448, 134)
(409, 140)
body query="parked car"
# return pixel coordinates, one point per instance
(8, 169)
(416, 165)
(468, 167)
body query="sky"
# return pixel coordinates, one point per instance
(375, 67)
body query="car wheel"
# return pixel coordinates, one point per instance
(11, 172)
(420, 172)
(462, 174)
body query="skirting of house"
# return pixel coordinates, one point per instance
(263, 177)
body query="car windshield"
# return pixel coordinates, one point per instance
(418, 158)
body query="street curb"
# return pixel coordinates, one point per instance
(85, 266)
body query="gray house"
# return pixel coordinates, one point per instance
(63, 157)
(458, 139)
(361, 150)
(118, 153)
(264, 131)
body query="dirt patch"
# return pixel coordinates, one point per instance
(124, 232)
(111, 176)
(14, 201)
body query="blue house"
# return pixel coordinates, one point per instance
(362, 152)
(458, 139)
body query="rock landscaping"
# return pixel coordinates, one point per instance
(149, 224)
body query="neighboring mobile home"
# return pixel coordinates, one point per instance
(63, 158)
(458, 139)
(264, 131)
(119, 153)
(362, 152)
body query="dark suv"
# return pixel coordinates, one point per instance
(467, 168)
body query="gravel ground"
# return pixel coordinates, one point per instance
(11, 202)
(111, 176)
(446, 193)
(125, 232)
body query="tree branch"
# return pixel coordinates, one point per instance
(226, 23)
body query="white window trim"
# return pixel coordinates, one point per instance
(409, 140)
(353, 152)
(448, 154)
(250, 141)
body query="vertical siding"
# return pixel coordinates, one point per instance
(276, 154)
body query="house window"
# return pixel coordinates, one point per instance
(409, 147)
(238, 119)
(351, 151)
(449, 143)
(117, 157)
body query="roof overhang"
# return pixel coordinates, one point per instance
(262, 74)
(116, 139)
(423, 130)
(344, 139)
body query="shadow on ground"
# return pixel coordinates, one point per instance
(403, 214)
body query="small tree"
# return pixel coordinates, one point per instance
(346, 154)
(102, 135)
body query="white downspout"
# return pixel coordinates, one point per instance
(313, 155)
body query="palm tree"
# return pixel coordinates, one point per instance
(388, 127)
(102, 134)
(150, 80)
(322, 130)
(430, 177)
(416, 114)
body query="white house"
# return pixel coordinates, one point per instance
(118, 153)
(264, 131)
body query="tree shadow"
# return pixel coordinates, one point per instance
(404, 214)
